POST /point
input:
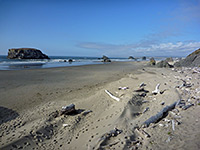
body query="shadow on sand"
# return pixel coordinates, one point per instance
(7, 114)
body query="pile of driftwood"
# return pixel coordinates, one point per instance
(102, 142)
(67, 109)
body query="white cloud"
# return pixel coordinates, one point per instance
(143, 48)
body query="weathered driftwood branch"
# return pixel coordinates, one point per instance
(162, 91)
(142, 133)
(187, 106)
(145, 101)
(145, 110)
(112, 96)
(141, 90)
(185, 84)
(156, 91)
(180, 103)
(142, 84)
(159, 115)
(67, 109)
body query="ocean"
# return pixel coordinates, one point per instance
(55, 61)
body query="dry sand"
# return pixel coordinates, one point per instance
(30, 98)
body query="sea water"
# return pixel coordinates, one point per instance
(54, 61)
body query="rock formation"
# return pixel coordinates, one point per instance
(26, 53)
(131, 57)
(105, 59)
(144, 58)
(164, 64)
(192, 60)
(169, 59)
(152, 61)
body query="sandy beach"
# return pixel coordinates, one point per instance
(31, 100)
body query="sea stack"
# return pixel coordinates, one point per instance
(26, 53)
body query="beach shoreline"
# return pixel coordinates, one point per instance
(31, 99)
(27, 84)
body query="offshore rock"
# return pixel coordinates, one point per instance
(131, 57)
(26, 53)
(105, 59)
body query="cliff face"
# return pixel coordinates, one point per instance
(192, 60)
(26, 53)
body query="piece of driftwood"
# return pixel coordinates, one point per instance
(145, 110)
(142, 133)
(145, 101)
(141, 90)
(161, 125)
(65, 125)
(163, 103)
(112, 96)
(161, 92)
(67, 109)
(123, 88)
(166, 120)
(159, 115)
(173, 125)
(142, 84)
(187, 106)
(185, 84)
(180, 103)
(156, 91)
(142, 94)
(87, 112)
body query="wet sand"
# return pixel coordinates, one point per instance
(30, 100)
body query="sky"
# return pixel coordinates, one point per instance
(116, 28)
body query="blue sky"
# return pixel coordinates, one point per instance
(117, 28)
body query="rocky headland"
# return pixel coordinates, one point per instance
(192, 60)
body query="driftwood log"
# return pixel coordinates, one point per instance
(159, 115)
(67, 109)
(112, 96)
